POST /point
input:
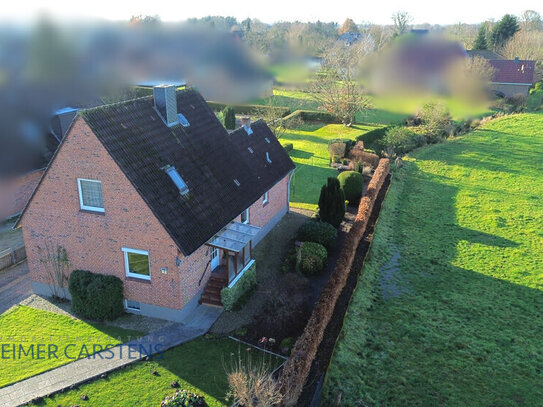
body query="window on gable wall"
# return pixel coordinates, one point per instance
(90, 195)
(245, 216)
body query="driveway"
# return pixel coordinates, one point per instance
(14, 286)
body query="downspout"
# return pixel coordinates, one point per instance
(291, 174)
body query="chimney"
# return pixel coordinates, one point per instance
(166, 103)
(246, 124)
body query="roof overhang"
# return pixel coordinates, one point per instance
(234, 237)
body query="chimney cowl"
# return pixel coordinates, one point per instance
(166, 103)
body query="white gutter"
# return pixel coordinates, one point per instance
(510, 83)
(288, 189)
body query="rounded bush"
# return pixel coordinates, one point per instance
(318, 232)
(184, 398)
(313, 258)
(352, 183)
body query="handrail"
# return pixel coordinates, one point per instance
(203, 274)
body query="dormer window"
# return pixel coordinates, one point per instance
(90, 195)
(177, 180)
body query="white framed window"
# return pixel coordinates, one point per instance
(136, 263)
(90, 195)
(132, 305)
(265, 198)
(245, 216)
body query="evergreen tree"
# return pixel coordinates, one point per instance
(480, 42)
(332, 203)
(504, 30)
(229, 117)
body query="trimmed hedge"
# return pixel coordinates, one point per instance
(296, 369)
(352, 183)
(231, 295)
(311, 116)
(313, 259)
(318, 232)
(246, 109)
(96, 296)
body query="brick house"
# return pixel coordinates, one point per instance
(512, 76)
(156, 192)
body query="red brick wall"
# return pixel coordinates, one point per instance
(259, 214)
(15, 193)
(94, 241)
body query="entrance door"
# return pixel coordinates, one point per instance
(214, 258)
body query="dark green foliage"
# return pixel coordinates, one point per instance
(351, 183)
(318, 232)
(229, 117)
(359, 167)
(288, 147)
(184, 398)
(332, 202)
(310, 116)
(314, 257)
(336, 159)
(503, 30)
(96, 296)
(372, 139)
(399, 140)
(480, 42)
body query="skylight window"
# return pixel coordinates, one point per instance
(183, 120)
(268, 157)
(236, 182)
(267, 140)
(250, 150)
(177, 180)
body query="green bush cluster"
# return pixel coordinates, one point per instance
(352, 184)
(183, 398)
(96, 296)
(231, 295)
(288, 147)
(399, 140)
(313, 259)
(372, 139)
(318, 232)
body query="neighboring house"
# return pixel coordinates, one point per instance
(156, 192)
(512, 76)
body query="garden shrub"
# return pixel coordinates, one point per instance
(337, 149)
(296, 369)
(229, 117)
(288, 147)
(96, 296)
(435, 118)
(314, 257)
(372, 139)
(231, 295)
(332, 202)
(318, 232)
(358, 167)
(345, 161)
(184, 398)
(399, 140)
(352, 184)
(517, 103)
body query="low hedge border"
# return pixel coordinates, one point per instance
(297, 367)
(246, 109)
(311, 116)
(231, 295)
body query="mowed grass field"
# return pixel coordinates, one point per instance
(199, 366)
(310, 154)
(449, 307)
(60, 338)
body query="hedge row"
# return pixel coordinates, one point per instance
(231, 295)
(297, 367)
(247, 109)
(311, 116)
(96, 296)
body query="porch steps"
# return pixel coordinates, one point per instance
(212, 291)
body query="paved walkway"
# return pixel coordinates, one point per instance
(14, 286)
(86, 369)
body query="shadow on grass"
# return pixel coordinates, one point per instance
(305, 155)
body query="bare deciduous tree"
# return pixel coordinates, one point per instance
(401, 20)
(272, 114)
(336, 87)
(526, 45)
(56, 264)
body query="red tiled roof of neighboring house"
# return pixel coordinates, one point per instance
(513, 71)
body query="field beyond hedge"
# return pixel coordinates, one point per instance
(449, 306)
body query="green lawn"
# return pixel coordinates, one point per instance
(28, 327)
(453, 281)
(199, 366)
(311, 157)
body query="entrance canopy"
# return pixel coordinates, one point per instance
(234, 237)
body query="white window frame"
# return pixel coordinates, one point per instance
(85, 207)
(130, 308)
(246, 211)
(265, 198)
(127, 250)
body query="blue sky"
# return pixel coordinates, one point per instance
(436, 12)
